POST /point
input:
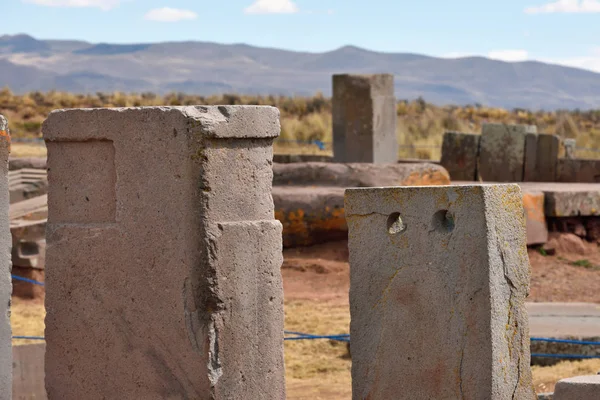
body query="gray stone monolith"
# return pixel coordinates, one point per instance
(460, 155)
(364, 119)
(578, 388)
(502, 153)
(439, 277)
(548, 147)
(5, 267)
(163, 260)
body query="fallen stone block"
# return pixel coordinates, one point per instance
(578, 171)
(359, 175)
(460, 155)
(163, 257)
(439, 277)
(578, 388)
(502, 153)
(5, 267)
(310, 215)
(364, 119)
(564, 200)
(17, 163)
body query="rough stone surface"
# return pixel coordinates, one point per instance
(537, 228)
(578, 171)
(578, 388)
(460, 154)
(364, 119)
(359, 175)
(548, 147)
(530, 165)
(5, 267)
(571, 200)
(310, 215)
(163, 276)
(26, 162)
(502, 153)
(439, 277)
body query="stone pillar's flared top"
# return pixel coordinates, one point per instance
(438, 281)
(5, 267)
(502, 154)
(364, 119)
(163, 262)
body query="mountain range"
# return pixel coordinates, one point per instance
(28, 64)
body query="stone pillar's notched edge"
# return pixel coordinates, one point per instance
(509, 287)
(206, 302)
(5, 267)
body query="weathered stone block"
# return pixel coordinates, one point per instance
(537, 228)
(364, 119)
(439, 277)
(548, 147)
(163, 276)
(578, 388)
(460, 154)
(578, 171)
(530, 163)
(502, 153)
(5, 267)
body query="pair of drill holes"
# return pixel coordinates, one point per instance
(442, 221)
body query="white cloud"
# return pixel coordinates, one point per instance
(509, 55)
(566, 6)
(272, 7)
(101, 4)
(167, 14)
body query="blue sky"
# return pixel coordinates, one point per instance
(559, 31)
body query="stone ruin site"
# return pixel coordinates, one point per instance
(199, 203)
(175, 256)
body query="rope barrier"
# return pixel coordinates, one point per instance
(537, 339)
(29, 337)
(20, 278)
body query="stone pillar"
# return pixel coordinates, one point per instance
(5, 267)
(364, 119)
(578, 388)
(439, 277)
(163, 257)
(570, 148)
(548, 147)
(502, 155)
(460, 155)
(530, 162)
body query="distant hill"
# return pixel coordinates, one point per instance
(28, 64)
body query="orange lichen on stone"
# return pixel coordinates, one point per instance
(429, 177)
(534, 207)
(302, 229)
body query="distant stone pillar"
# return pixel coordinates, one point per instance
(164, 257)
(460, 155)
(502, 154)
(364, 119)
(548, 147)
(5, 267)
(578, 388)
(439, 277)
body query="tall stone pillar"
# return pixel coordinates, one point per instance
(364, 119)
(163, 261)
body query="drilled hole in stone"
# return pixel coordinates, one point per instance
(443, 221)
(395, 225)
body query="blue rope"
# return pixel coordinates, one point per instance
(320, 144)
(306, 336)
(20, 278)
(564, 356)
(29, 337)
(536, 339)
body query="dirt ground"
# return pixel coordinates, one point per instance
(316, 284)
